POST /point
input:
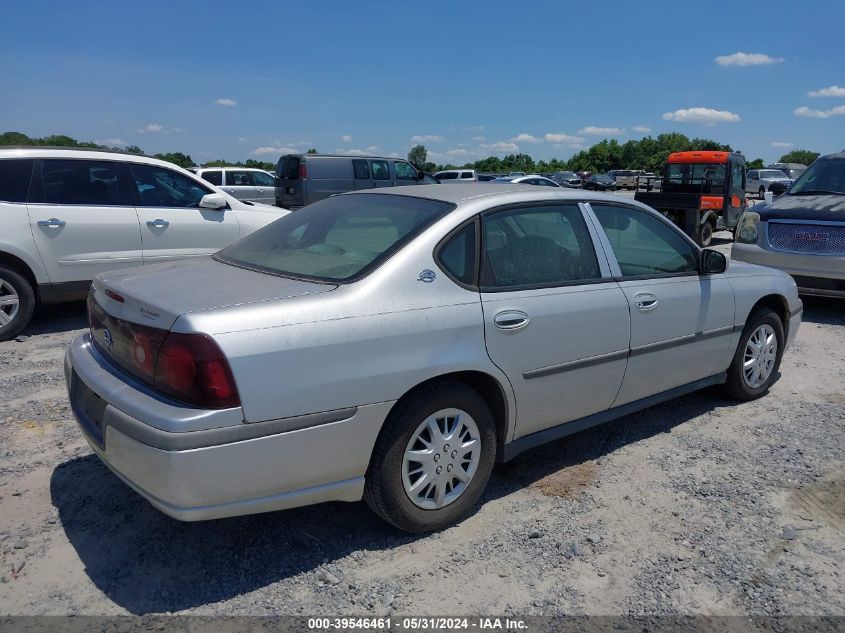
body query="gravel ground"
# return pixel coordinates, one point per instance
(697, 506)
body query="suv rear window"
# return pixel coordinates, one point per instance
(447, 175)
(15, 174)
(292, 168)
(338, 239)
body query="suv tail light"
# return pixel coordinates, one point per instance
(191, 367)
(302, 171)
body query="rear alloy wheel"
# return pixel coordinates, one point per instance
(757, 358)
(17, 303)
(432, 459)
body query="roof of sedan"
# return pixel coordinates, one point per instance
(459, 193)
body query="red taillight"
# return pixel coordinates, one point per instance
(190, 367)
(302, 171)
(111, 294)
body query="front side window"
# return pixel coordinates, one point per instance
(457, 256)
(89, 182)
(380, 170)
(404, 171)
(15, 174)
(162, 187)
(337, 239)
(214, 177)
(537, 246)
(260, 179)
(362, 169)
(645, 245)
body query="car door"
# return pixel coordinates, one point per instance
(83, 218)
(238, 183)
(264, 185)
(752, 184)
(736, 190)
(681, 321)
(555, 321)
(292, 172)
(172, 224)
(405, 173)
(381, 173)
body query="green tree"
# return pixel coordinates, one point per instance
(802, 156)
(177, 158)
(757, 163)
(134, 149)
(417, 156)
(311, 151)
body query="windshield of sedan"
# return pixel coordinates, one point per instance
(339, 239)
(825, 176)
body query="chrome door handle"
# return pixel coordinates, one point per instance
(645, 302)
(158, 223)
(510, 319)
(52, 223)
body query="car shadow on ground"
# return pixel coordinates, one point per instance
(60, 317)
(148, 563)
(823, 311)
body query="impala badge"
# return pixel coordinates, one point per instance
(427, 276)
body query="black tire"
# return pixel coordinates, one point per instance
(736, 386)
(26, 303)
(384, 492)
(705, 234)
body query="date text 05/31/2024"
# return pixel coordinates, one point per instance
(416, 624)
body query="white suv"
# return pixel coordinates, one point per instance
(68, 214)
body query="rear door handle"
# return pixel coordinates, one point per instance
(510, 319)
(52, 223)
(645, 302)
(158, 223)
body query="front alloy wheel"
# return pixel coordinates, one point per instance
(757, 356)
(761, 352)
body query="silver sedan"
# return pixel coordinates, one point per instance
(392, 345)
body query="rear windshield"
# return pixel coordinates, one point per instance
(339, 239)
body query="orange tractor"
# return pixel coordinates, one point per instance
(701, 192)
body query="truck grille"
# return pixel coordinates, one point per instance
(815, 239)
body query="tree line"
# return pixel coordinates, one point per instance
(647, 153)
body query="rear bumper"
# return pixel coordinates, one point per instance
(822, 275)
(220, 471)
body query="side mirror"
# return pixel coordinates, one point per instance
(713, 262)
(215, 201)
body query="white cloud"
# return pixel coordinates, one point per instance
(426, 138)
(367, 151)
(747, 59)
(151, 127)
(812, 113)
(272, 149)
(478, 139)
(781, 144)
(501, 146)
(526, 138)
(552, 137)
(707, 116)
(112, 142)
(830, 91)
(242, 139)
(346, 138)
(643, 129)
(457, 151)
(224, 101)
(592, 130)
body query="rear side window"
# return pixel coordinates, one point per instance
(447, 175)
(457, 256)
(467, 174)
(15, 174)
(643, 244)
(214, 177)
(380, 170)
(362, 169)
(90, 182)
(537, 246)
(237, 179)
(292, 168)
